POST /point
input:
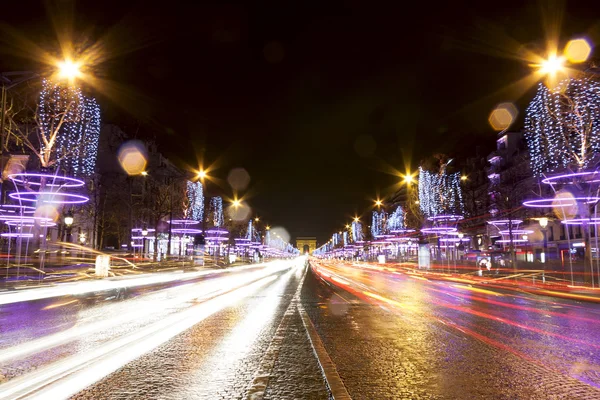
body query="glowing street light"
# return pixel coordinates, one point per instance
(408, 178)
(69, 69)
(464, 178)
(201, 174)
(552, 65)
(256, 219)
(356, 219)
(236, 203)
(144, 173)
(68, 219)
(378, 203)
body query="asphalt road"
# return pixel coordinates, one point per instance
(241, 336)
(396, 336)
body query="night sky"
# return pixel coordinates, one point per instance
(315, 99)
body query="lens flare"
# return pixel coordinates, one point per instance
(132, 157)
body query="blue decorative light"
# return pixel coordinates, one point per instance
(440, 193)
(562, 126)
(396, 220)
(215, 212)
(69, 125)
(194, 209)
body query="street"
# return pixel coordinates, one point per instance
(266, 332)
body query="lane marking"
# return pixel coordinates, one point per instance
(332, 378)
(257, 388)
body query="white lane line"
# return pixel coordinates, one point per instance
(336, 386)
(258, 386)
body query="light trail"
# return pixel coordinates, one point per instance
(68, 376)
(83, 287)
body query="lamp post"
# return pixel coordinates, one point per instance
(144, 234)
(544, 228)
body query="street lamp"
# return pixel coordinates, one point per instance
(69, 69)
(378, 203)
(201, 174)
(68, 220)
(544, 228)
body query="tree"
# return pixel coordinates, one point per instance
(61, 130)
(563, 134)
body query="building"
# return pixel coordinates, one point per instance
(306, 245)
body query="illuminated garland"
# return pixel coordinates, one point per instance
(357, 232)
(250, 231)
(378, 223)
(562, 126)
(194, 209)
(215, 212)
(440, 193)
(395, 221)
(76, 145)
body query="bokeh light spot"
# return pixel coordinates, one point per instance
(564, 205)
(239, 212)
(280, 232)
(503, 116)
(47, 211)
(578, 50)
(132, 157)
(238, 179)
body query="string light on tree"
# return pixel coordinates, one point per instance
(194, 209)
(378, 223)
(440, 193)
(396, 220)
(357, 231)
(562, 126)
(70, 129)
(215, 212)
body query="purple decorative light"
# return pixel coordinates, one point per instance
(217, 231)
(187, 231)
(514, 241)
(559, 202)
(141, 229)
(24, 178)
(17, 235)
(505, 222)
(439, 229)
(553, 180)
(30, 223)
(184, 222)
(581, 221)
(515, 232)
(12, 208)
(217, 238)
(402, 230)
(24, 218)
(448, 217)
(63, 198)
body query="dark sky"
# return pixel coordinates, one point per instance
(289, 90)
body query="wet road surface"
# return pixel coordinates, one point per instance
(389, 335)
(397, 336)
